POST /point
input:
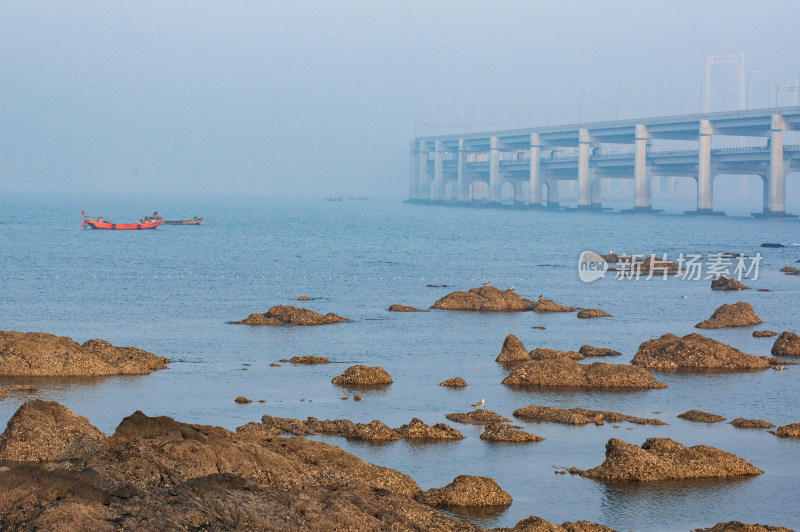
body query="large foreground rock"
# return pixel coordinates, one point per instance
(155, 473)
(694, 352)
(727, 283)
(578, 416)
(666, 459)
(467, 491)
(787, 345)
(363, 376)
(513, 350)
(564, 372)
(45, 431)
(486, 299)
(40, 354)
(739, 314)
(289, 315)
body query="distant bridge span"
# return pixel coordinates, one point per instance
(530, 160)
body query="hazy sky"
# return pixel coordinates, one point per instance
(322, 97)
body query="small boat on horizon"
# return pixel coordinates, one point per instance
(193, 221)
(100, 223)
(334, 198)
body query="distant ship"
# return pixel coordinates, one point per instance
(334, 198)
(193, 221)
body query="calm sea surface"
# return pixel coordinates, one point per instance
(173, 290)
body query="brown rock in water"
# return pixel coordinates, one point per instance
(727, 283)
(591, 351)
(789, 269)
(45, 431)
(512, 350)
(288, 315)
(564, 372)
(736, 526)
(541, 353)
(577, 416)
(417, 429)
(695, 352)
(304, 298)
(307, 359)
(39, 354)
(787, 345)
(455, 382)
(548, 305)
(242, 400)
(404, 308)
(666, 459)
(743, 423)
(764, 334)
(593, 313)
(739, 314)
(18, 388)
(467, 491)
(763, 290)
(698, 416)
(486, 299)
(363, 376)
(787, 431)
(477, 417)
(502, 432)
(537, 524)
(658, 266)
(375, 430)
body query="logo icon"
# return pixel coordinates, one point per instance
(591, 266)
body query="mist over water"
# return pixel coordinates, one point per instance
(173, 291)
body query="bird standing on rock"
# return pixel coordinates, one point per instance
(479, 403)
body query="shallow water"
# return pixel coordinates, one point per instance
(173, 290)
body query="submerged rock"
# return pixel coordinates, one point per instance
(417, 429)
(743, 423)
(593, 313)
(477, 417)
(541, 353)
(591, 351)
(739, 314)
(307, 359)
(564, 372)
(548, 305)
(45, 431)
(698, 416)
(537, 524)
(455, 382)
(40, 354)
(404, 308)
(666, 459)
(696, 352)
(502, 432)
(467, 491)
(363, 376)
(787, 345)
(787, 431)
(727, 283)
(288, 315)
(512, 350)
(578, 416)
(304, 298)
(486, 299)
(764, 334)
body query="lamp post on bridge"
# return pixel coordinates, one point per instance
(641, 93)
(658, 97)
(681, 91)
(616, 101)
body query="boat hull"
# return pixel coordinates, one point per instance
(122, 227)
(193, 221)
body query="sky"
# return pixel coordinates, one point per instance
(322, 98)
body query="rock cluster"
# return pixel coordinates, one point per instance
(787, 345)
(694, 352)
(564, 372)
(502, 432)
(467, 491)
(38, 354)
(727, 283)
(363, 376)
(455, 382)
(307, 359)
(743, 423)
(375, 430)
(666, 459)
(578, 416)
(289, 315)
(477, 417)
(698, 416)
(486, 299)
(739, 314)
(591, 351)
(404, 308)
(787, 431)
(593, 313)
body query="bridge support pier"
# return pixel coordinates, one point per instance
(463, 183)
(495, 181)
(552, 194)
(536, 175)
(424, 175)
(705, 177)
(413, 174)
(438, 170)
(585, 174)
(642, 197)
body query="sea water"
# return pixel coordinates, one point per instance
(173, 290)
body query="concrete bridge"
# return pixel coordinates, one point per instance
(475, 166)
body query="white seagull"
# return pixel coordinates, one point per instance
(479, 403)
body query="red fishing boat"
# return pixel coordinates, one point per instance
(100, 223)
